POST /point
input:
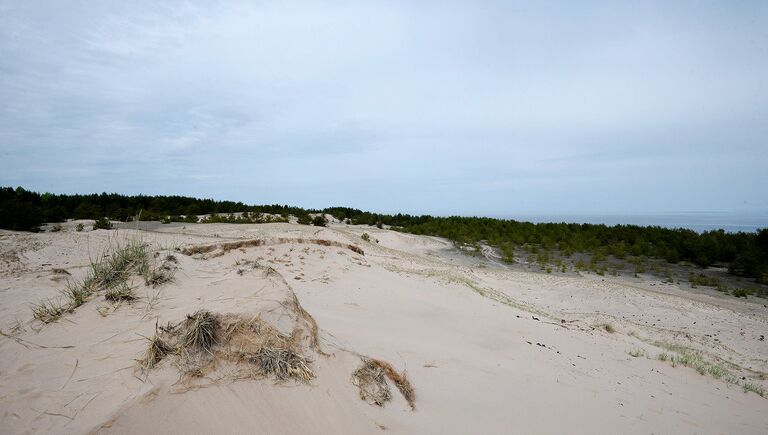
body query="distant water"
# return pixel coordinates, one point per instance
(696, 221)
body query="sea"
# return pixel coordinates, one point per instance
(697, 221)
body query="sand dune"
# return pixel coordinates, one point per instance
(487, 349)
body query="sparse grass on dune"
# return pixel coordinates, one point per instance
(753, 387)
(682, 355)
(77, 294)
(109, 274)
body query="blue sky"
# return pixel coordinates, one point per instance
(496, 108)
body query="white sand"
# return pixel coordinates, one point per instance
(461, 332)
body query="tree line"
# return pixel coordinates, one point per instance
(745, 254)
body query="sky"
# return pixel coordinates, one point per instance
(491, 108)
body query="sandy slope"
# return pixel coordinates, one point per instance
(467, 334)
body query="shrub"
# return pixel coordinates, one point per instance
(79, 228)
(366, 237)
(319, 221)
(102, 224)
(740, 293)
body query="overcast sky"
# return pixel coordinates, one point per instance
(438, 107)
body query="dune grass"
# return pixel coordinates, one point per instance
(753, 387)
(681, 355)
(49, 310)
(120, 293)
(110, 274)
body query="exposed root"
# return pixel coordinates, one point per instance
(370, 379)
(219, 249)
(314, 341)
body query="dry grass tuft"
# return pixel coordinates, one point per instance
(204, 339)
(283, 364)
(370, 379)
(48, 310)
(157, 350)
(200, 331)
(120, 293)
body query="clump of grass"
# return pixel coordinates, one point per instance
(77, 294)
(366, 237)
(204, 338)
(48, 310)
(369, 378)
(283, 364)
(740, 293)
(131, 258)
(696, 361)
(158, 276)
(157, 350)
(102, 223)
(637, 353)
(120, 293)
(607, 327)
(755, 388)
(200, 331)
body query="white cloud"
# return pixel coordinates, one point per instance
(448, 106)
